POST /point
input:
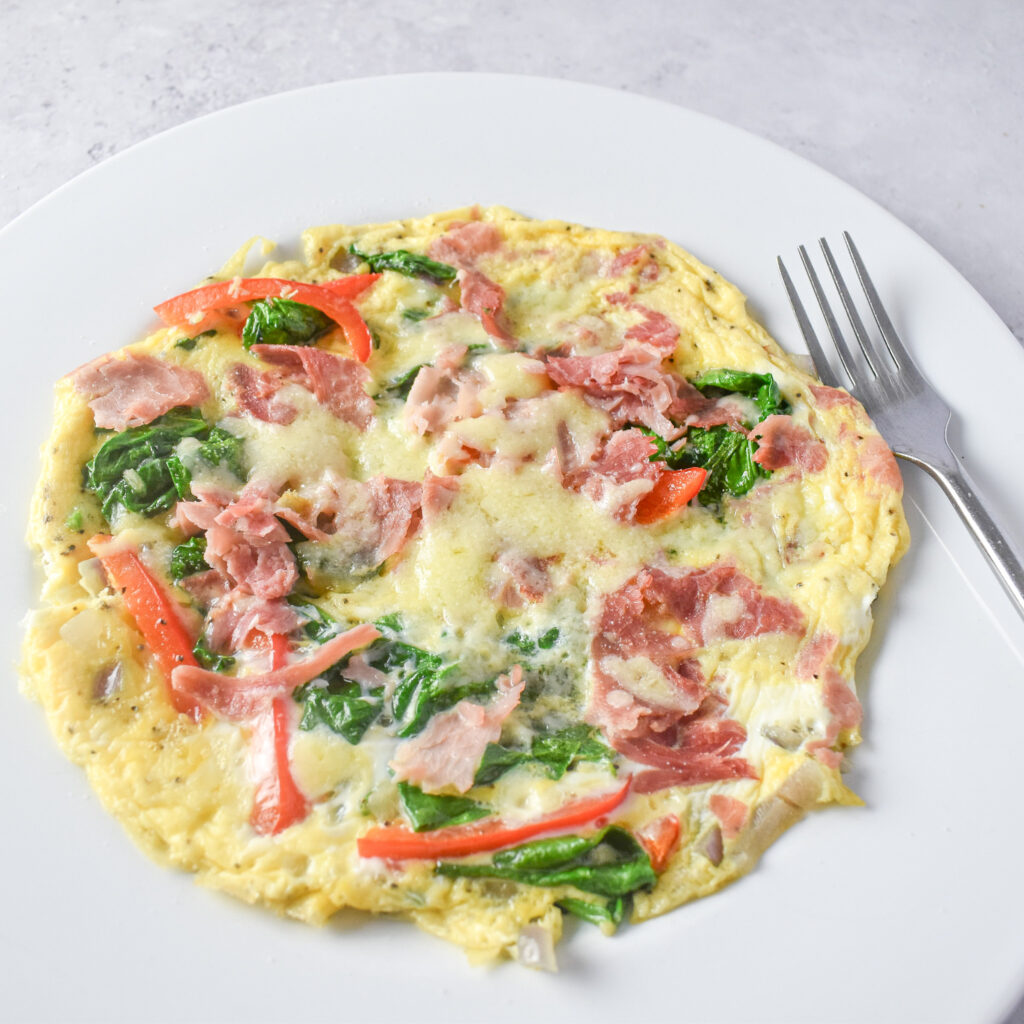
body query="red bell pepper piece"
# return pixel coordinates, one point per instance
(673, 490)
(332, 298)
(154, 612)
(396, 842)
(278, 801)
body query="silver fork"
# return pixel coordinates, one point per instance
(905, 407)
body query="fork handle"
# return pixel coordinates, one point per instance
(960, 489)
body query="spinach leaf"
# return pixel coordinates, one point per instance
(555, 753)
(424, 687)
(761, 387)
(415, 315)
(188, 558)
(611, 913)
(319, 625)
(137, 469)
(341, 706)
(402, 384)
(74, 520)
(611, 863)
(222, 446)
(407, 263)
(390, 623)
(284, 322)
(728, 456)
(190, 343)
(427, 812)
(521, 642)
(211, 660)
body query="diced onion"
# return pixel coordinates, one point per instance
(92, 576)
(84, 630)
(108, 682)
(536, 948)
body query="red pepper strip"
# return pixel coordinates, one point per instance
(333, 298)
(278, 801)
(674, 489)
(659, 839)
(154, 612)
(396, 842)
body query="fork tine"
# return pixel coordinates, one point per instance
(863, 339)
(818, 357)
(845, 355)
(900, 356)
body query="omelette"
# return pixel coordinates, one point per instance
(475, 569)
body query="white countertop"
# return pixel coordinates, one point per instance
(919, 105)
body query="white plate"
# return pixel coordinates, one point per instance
(911, 908)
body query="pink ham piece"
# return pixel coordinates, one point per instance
(879, 464)
(463, 244)
(639, 256)
(814, 661)
(244, 539)
(619, 475)
(134, 391)
(337, 383)
(396, 508)
(240, 697)
(441, 395)
(486, 300)
(257, 394)
(236, 615)
(377, 517)
(631, 386)
(686, 741)
(438, 494)
(449, 750)
(654, 329)
(732, 814)
(522, 579)
(781, 442)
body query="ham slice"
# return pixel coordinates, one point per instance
(337, 383)
(620, 474)
(521, 579)
(449, 750)
(463, 244)
(396, 508)
(240, 697)
(781, 442)
(438, 494)
(680, 734)
(257, 394)
(631, 386)
(654, 329)
(732, 814)
(441, 395)
(816, 660)
(135, 390)
(244, 539)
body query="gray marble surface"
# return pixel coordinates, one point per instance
(918, 104)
